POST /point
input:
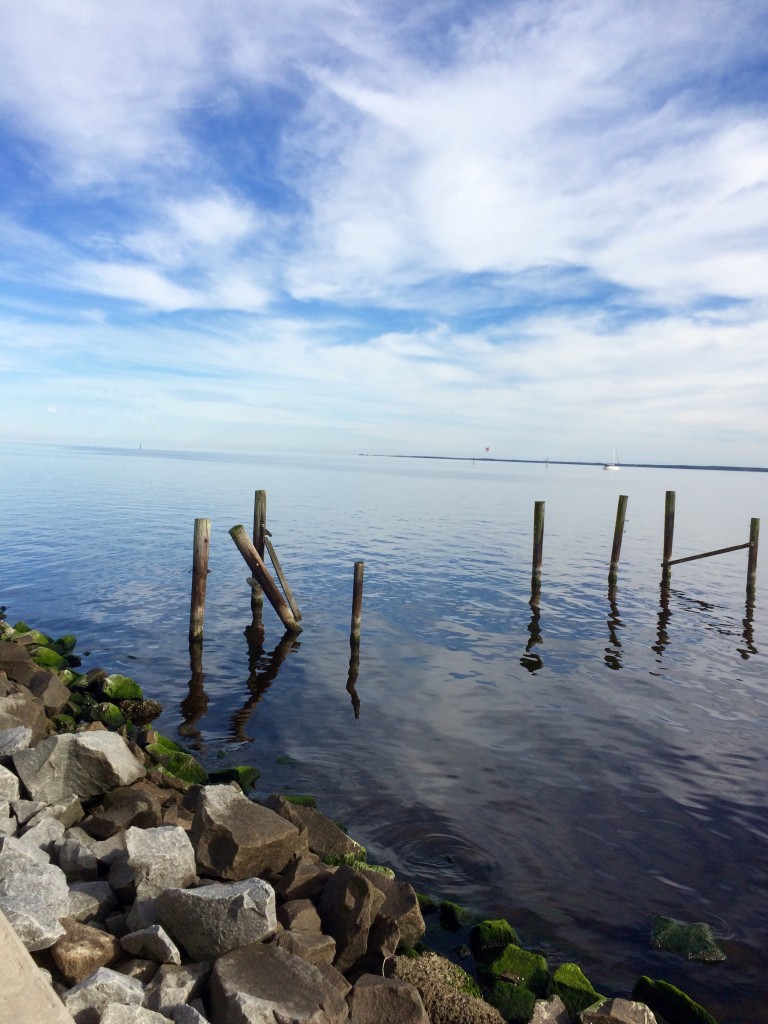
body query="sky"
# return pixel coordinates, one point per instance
(536, 227)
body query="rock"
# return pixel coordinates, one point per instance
(122, 808)
(89, 900)
(173, 985)
(33, 897)
(303, 878)
(44, 835)
(25, 810)
(83, 764)
(669, 1002)
(299, 916)
(374, 1000)
(23, 709)
(692, 941)
(78, 861)
(324, 836)
(50, 690)
(9, 785)
(260, 983)
(91, 997)
(82, 949)
(186, 1014)
(68, 811)
(400, 906)
(569, 982)
(550, 1011)
(13, 740)
(117, 1014)
(153, 943)
(142, 970)
(315, 949)
(618, 1011)
(347, 907)
(154, 859)
(213, 919)
(489, 938)
(236, 839)
(27, 996)
(449, 994)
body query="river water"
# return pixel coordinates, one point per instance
(575, 770)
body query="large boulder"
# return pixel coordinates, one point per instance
(27, 996)
(213, 919)
(348, 906)
(85, 764)
(259, 983)
(33, 895)
(400, 906)
(235, 838)
(324, 836)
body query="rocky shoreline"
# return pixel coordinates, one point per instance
(135, 887)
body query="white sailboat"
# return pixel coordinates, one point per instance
(615, 464)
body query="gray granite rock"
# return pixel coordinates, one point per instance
(155, 859)
(76, 859)
(91, 900)
(173, 985)
(105, 987)
(315, 949)
(33, 896)
(550, 1011)
(324, 836)
(13, 740)
(616, 1011)
(213, 919)
(400, 905)
(85, 764)
(153, 943)
(9, 784)
(259, 983)
(117, 1014)
(235, 838)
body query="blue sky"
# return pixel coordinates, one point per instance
(538, 227)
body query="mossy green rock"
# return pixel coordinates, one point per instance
(514, 1002)
(520, 967)
(453, 916)
(64, 723)
(46, 658)
(489, 938)
(670, 1003)
(65, 644)
(693, 941)
(118, 687)
(20, 628)
(177, 762)
(300, 801)
(109, 714)
(570, 983)
(162, 744)
(244, 775)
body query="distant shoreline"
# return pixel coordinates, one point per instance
(564, 462)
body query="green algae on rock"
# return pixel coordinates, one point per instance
(453, 916)
(117, 687)
(670, 1002)
(490, 937)
(693, 941)
(571, 984)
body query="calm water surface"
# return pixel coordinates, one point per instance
(575, 771)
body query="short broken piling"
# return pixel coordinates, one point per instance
(261, 576)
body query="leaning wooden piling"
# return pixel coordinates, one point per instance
(201, 546)
(538, 548)
(259, 534)
(262, 576)
(357, 604)
(754, 537)
(618, 534)
(669, 533)
(281, 576)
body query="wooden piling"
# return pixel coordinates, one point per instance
(538, 548)
(281, 576)
(259, 532)
(261, 575)
(754, 537)
(357, 604)
(669, 532)
(618, 534)
(202, 541)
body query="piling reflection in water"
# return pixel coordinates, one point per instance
(748, 632)
(613, 652)
(263, 670)
(532, 660)
(195, 704)
(354, 671)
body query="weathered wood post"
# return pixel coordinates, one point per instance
(754, 537)
(259, 531)
(202, 541)
(618, 533)
(669, 532)
(261, 575)
(281, 576)
(357, 604)
(538, 549)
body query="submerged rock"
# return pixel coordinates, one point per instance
(692, 941)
